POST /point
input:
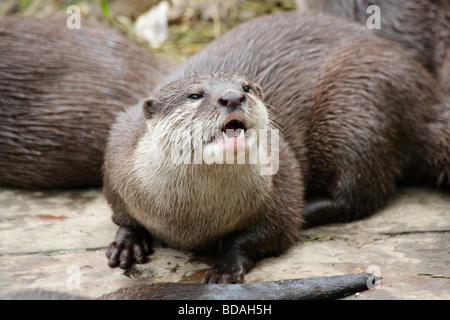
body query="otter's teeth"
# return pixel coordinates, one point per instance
(224, 135)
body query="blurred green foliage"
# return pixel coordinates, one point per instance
(186, 36)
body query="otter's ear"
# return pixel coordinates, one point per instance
(148, 107)
(259, 91)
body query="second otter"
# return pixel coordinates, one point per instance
(358, 115)
(60, 90)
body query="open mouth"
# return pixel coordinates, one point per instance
(230, 143)
(231, 135)
(233, 129)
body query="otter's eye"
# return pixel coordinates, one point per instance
(195, 96)
(247, 89)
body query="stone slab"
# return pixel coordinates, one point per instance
(57, 239)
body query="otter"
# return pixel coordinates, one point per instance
(420, 26)
(194, 205)
(357, 114)
(60, 91)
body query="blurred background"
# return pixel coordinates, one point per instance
(174, 29)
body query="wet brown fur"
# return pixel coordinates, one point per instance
(420, 26)
(60, 91)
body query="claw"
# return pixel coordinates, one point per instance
(131, 245)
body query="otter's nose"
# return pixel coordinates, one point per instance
(232, 100)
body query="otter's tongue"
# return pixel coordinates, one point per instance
(233, 136)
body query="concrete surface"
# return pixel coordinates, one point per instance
(57, 241)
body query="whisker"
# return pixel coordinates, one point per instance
(275, 117)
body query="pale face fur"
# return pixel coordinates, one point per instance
(191, 205)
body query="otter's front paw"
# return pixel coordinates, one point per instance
(131, 245)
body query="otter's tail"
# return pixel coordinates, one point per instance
(319, 288)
